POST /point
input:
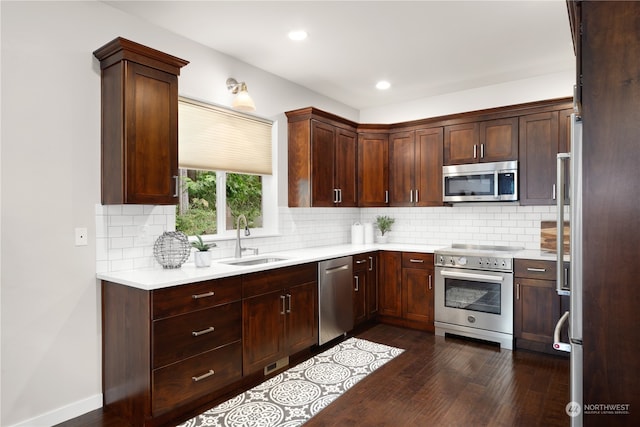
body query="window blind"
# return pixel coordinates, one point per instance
(214, 138)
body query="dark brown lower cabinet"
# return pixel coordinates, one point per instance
(365, 287)
(167, 351)
(537, 305)
(280, 314)
(406, 289)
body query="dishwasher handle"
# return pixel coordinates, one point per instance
(336, 269)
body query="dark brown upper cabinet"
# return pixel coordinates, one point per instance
(415, 167)
(139, 124)
(542, 137)
(322, 159)
(373, 169)
(485, 141)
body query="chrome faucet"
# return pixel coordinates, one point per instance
(239, 248)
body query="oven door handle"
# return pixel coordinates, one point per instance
(472, 276)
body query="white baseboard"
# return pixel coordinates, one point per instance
(64, 413)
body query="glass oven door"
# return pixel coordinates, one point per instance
(477, 299)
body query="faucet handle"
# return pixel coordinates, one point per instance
(246, 230)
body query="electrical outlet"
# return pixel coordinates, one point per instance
(81, 237)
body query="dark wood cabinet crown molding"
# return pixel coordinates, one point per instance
(120, 49)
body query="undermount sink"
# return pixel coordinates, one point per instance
(253, 261)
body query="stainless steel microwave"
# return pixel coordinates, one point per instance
(481, 182)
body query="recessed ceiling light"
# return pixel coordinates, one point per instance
(297, 35)
(383, 84)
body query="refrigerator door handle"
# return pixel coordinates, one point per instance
(557, 344)
(561, 286)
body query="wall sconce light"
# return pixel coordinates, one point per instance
(242, 101)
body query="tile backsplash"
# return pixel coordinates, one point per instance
(125, 234)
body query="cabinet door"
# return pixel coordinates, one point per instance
(537, 309)
(401, 168)
(415, 294)
(345, 167)
(323, 138)
(301, 311)
(372, 285)
(360, 286)
(461, 143)
(373, 170)
(390, 280)
(499, 140)
(151, 135)
(538, 149)
(263, 330)
(428, 171)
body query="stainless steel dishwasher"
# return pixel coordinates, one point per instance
(335, 290)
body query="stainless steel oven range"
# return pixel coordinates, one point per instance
(473, 292)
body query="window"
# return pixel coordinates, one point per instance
(225, 161)
(206, 193)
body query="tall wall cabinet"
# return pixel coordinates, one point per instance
(139, 124)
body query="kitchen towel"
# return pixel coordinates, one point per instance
(357, 234)
(368, 233)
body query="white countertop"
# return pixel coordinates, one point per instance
(158, 277)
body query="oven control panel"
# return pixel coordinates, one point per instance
(475, 262)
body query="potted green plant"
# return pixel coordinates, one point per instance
(384, 224)
(202, 256)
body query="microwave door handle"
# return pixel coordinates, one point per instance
(557, 344)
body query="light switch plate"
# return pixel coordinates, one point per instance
(81, 237)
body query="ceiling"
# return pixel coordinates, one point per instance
(423, 48)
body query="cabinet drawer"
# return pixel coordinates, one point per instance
(417, 260)
(196, 296)
(264, 282)
(187, 335)
(197, 376)
(362, 262)
(535, 269)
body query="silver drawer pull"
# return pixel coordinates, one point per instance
(537, 270)
(361, 261)
(203, 376)
(421, 261)
(204, 331)
(205, 295)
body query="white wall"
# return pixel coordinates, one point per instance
(50, 184)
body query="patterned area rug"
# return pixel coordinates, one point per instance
(294, 396)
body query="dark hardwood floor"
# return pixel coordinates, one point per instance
(439, 382)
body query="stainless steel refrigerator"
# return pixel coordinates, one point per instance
(571, 285)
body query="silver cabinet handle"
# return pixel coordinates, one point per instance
(370, 263)
(420, 261)
(357, 288)
(204, 331)
(282, 298)
(361, 261)
(475, 151)
(410, 196)
(553, 191)
(517, 290)
(536, 270)
(430, 283)
(482, 151)
(177, 185)
(203, 376)
(205, 295)
(416, 196)
(386, 196)
(289, 301)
